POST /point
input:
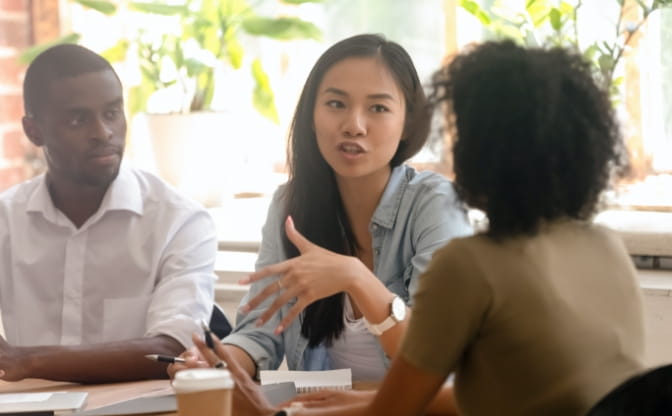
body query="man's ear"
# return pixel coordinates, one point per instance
(32, 131)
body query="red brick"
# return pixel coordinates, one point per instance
(14, 34)
(11, 71)
(13, 5)
(14, 145)
(11, 175)
(11, 108)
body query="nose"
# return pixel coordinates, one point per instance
(354, 124)
(101, 129)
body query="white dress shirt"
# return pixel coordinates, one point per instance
(142, 265)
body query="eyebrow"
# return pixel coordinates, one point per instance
(75, 109)
(378, 96)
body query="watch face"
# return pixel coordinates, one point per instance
(398, 309)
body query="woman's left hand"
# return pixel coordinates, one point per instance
(328, 398)
(315, 274)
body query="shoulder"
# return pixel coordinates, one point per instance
(426, 183)
(460, 259)
(155, 191)
(18, 195)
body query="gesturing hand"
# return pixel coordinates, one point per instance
(315, 274)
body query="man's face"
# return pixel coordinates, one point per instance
(82, 129)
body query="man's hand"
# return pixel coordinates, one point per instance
(11, 366)
(193, 358)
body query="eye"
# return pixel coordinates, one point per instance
(113, 114)
(335, 104)
(379, 108)
(76, 120)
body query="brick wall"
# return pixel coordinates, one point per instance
(19, 159)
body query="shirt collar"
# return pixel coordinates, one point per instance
(388, 207)
(124, 194)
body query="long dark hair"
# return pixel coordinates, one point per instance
(313, 199)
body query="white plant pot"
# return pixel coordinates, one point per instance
(195, 153)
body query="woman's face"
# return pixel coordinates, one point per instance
(359, 117)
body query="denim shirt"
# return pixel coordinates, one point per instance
(418, 213)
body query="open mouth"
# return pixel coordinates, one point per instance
(351, 148)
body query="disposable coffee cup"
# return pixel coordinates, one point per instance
(203, 392)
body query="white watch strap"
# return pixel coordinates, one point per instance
(379, 329)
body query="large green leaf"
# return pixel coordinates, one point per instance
(263, 98)
(283, 28)
(234, 50)
(138, 96)
(117, 52)
(105, 7)
(538, 11)
(31, 53)
(475, 10)
(195, 66)
(556, 19)
(159, 8)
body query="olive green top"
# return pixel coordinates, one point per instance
(536, 325)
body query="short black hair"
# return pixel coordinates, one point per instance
(57, 62)
(535, 137)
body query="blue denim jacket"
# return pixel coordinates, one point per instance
(418, 213)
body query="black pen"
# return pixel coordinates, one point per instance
(165, 358)
(209, 341)
(207, 334)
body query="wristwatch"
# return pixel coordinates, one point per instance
(397, 314)
(289, 411)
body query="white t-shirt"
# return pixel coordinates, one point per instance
(356, 349)
(142, 265)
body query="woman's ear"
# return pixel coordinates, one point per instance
(32, 131)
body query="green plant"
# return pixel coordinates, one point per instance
(199, 36)
(556, 23)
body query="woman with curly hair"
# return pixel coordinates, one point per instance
(541, 313)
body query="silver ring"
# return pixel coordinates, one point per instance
(220, 364)
(279, 284)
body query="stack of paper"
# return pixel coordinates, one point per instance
(307, 381)
(48, 403)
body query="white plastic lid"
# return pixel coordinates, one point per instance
(199, 379)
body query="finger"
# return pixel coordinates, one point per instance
(191, 352)
(302, 243)
(208, 354)
(312, 396)
(267, 291)
(292, 313)
(272, 270)
(281, 300)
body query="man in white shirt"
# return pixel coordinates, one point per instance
(99, 264)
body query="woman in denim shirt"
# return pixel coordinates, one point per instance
(367, 224)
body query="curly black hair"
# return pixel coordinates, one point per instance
(535, 138)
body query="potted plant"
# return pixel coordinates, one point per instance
(183, 51)
(556, 23)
